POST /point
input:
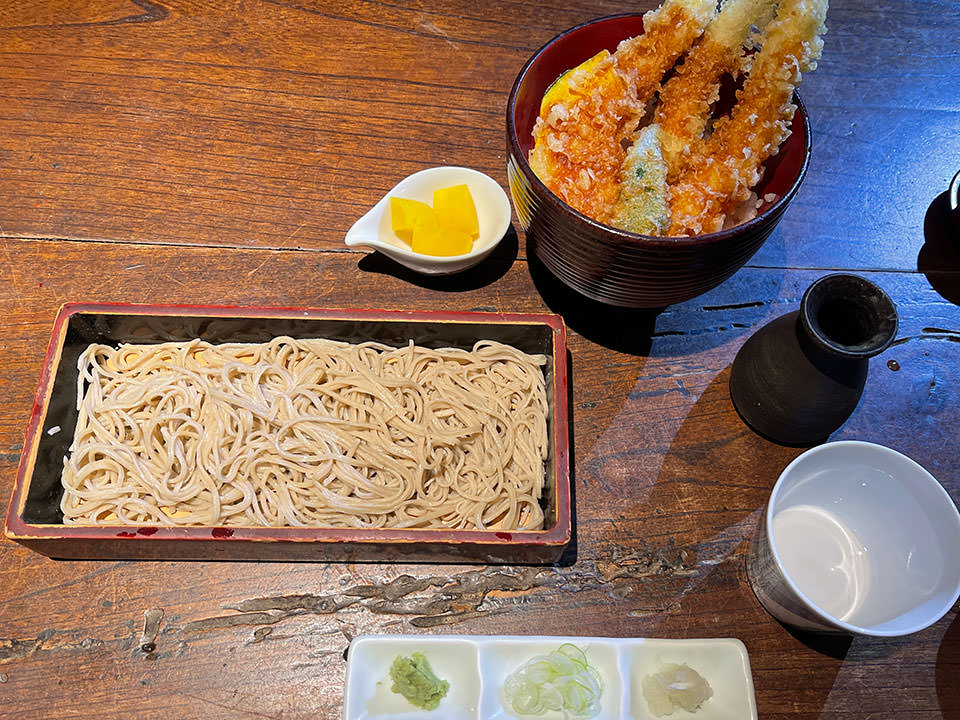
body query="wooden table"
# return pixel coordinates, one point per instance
(189, 151)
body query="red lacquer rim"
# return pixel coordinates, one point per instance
(559, 534)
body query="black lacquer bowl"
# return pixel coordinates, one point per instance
(614, 266)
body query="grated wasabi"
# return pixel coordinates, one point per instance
(415, 680)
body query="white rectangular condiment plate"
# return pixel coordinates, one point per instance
(477, 666)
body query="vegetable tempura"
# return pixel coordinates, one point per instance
(625, 141)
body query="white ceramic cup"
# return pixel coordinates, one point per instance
(859, 539)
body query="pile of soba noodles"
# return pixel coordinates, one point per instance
(313, 433)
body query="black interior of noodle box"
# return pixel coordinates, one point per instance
(55, 434)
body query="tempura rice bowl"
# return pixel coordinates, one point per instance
(615, 266)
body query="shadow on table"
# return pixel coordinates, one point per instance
(495, 266)
(625, 330)
(721, 472)
(733, 308)
(939, 258)
(706, 499)
(948, 671)
(835, 646)
(714, 448)
(857, 649)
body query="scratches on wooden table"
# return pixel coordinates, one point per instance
(233, 708)
(31, 17)
(630, 575)
(47, 641)
(438, 600)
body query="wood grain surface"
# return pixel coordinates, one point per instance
(216, 152)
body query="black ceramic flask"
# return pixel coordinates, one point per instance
(798, 378)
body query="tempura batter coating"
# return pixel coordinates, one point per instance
(578, 150)
(686, 99)
(668, 32)
(642, 206)
(730, 164)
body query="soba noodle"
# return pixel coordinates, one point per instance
(313, 433)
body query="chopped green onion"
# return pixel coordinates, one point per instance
(575, 654)
(561, 680)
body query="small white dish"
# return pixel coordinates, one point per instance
(374, 231)
(501, 658)
(368, 695)
(477, 667)
(723, 662)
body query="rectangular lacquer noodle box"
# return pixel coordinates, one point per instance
(34, 517)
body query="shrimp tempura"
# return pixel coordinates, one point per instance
(578, 140)
(668, 32)
(730, 163)
(686, 99)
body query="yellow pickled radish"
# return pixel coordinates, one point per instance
(455, 210)
(405, 215)
(439, 240)
(448, 228)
